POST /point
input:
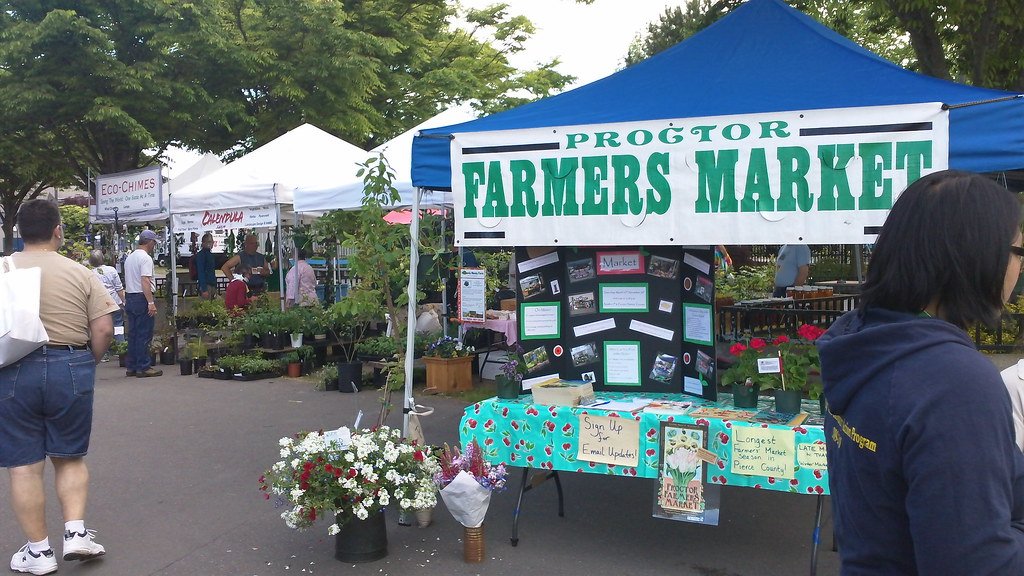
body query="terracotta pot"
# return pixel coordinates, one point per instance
(294, 369)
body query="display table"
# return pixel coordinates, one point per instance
(505, 324)
(546, 438)
(520, 433)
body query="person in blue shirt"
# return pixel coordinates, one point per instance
(205, 271)
(792, 266)
(924, 473)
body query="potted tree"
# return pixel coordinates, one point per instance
(349, 320)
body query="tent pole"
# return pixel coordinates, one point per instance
(410, 326)
(857, 261)
(172, 261)
(280, 260)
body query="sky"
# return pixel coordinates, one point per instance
(590, 40)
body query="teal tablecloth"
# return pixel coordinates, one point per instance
(520, 433)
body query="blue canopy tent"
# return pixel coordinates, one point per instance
(763, 57)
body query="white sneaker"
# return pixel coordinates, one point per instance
(79, 546)
(34, 562)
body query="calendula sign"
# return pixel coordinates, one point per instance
(813, 176)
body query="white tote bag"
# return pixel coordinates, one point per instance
(21, 330)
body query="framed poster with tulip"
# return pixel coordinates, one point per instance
(683, 493)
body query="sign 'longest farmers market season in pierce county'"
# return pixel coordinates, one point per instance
(813, 176)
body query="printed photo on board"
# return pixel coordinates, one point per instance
(531, 286)
(704, 289)
(664, 367)
(663, 267)
(704, 364)
(535, 358)
(585, 354)
(582, 303)
(581, 270)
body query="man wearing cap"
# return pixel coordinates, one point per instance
(140, 306)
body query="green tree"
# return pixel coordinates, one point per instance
(23, 176)
(105, 81)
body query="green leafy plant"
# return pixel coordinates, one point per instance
(377, 347)
(119, 347)
(746, 283)
(349, 319)
(325, 375)
(304, 353)
(251, 363)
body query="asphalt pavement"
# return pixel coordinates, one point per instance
(175, 462)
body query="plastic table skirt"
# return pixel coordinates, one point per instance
(520, 433)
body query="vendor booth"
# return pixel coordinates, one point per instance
(765, 128)
(258, 189)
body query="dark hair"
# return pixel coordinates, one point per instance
(37, 219)
(300, 254)
(242, 269)
(948, 237)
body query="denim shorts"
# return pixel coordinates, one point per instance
(46, 406)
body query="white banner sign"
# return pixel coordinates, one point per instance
(809, 177)
(231, 218)
(133, 192)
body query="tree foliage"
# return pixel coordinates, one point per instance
(87, 86)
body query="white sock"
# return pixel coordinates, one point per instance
(75, 526)
(41, 546)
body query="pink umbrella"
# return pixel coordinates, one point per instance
(403, 216)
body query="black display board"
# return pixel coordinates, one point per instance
(625, 319)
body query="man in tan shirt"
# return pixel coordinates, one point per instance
(49, 410)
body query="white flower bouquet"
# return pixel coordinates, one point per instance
(350, 475)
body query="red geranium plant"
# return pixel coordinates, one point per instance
(799, 360)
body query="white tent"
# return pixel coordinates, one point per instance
(270, 174)
(345, 191)
(206, 165)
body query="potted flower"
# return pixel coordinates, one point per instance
(449, 365)
(293, 364)
(744, 376)
(350, 477)
(513, 369)
(466, 482)
(798, 364)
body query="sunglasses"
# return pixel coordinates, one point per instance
(1019, 252)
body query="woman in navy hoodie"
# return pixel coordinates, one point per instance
(924, 474)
